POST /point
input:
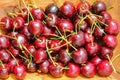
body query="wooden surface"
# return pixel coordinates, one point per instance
(115, 12)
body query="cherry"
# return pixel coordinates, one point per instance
(80, 56)
(35, 27)
(78, 39)
(92, 48)
(6, 23)
(52, 8)
(31, 48)
(40, 56)
(44, 66)
(37, 13)
(96, 60)
(67, 9)
(52, 20)
(106, 52)
(31, 67)
(55, 45)
(14, 51)
(104, 68)
(89, 38)
(65, 26)
(98, 7)
(64, 56)
(112, 27)
(40, 42)
(88, 69)
(105, 15)
(18, 23)
(74, 70)
(20, 72)
(56, 71)
(83, 7)
(4, 55)
(98, 32)
(4, 42)
(110, 41)
(4, 74)
(23, 14)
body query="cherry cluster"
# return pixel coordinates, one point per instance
(71, 40)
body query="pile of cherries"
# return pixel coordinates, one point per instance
(67, 40)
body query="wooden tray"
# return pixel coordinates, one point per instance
(115, 12)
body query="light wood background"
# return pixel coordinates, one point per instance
(115, 12)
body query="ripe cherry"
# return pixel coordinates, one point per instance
(31, 67)
(105, 15)
(80, 56)
(14, 51)
(99, 33)
(89, 38)
(23, 13)
(31, 48)
(73, 71)
(4, 74)
(96, 60)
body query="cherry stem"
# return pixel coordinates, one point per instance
(12, 56)
(23, 57)
(19, 5)
(2, 23)
(110, 7)
(111, 63)
(8, 36)
(1, 63)
(115, 57)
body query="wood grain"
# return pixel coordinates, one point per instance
(115, 12)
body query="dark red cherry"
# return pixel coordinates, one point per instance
(88, 37)
(92, 48)
(106, 52)
(73, 71)
(55, 45)
(52, 20)
(78, 39)
(31, 67)
(44, 66)
(88, 70)
(4, 74)
(104, 68)
(6, 23)
(110, 41)
(65, 26)
(40, 42)
(40, 56)
(31, 48)
(35, 27)
(67, 9)
(37, 13)
(18, 22)
(98, 7)
(105, 15)
(4, 55)
(56, 71)
(23, 13)
(83, 7)
(20, 72)
(96, 60)
(14, 51)
(4, 42)
(64, 56)
(98, 32)
(112, 27)
(52, 8)
(80, 56)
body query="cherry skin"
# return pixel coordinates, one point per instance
(78, 39)
(105, 15)
(67, 9)
(52, 20)
(44, 66)
(18, 22)
(89, 38)
(112, 27)
(65, 26)
(96, 60)
(83, 7)
(40, 42)
(14, 51)
(80, 56)
(23, 14)
(32, 67)
(35, 27)
(110, 41)
(52, 8)
(37, 13)
(99, 33)
(64, 56)
(104, 68)
(40, 56)
(4, 55)
(7, 23)
(88, 70)
(31, 48)
(20, 72)
(4, 74)
(74, 70)
(4, 42)
(98, 7)
(92, 49)
(106, 52)
(56, 71)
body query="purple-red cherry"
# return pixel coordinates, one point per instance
(96, 60)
